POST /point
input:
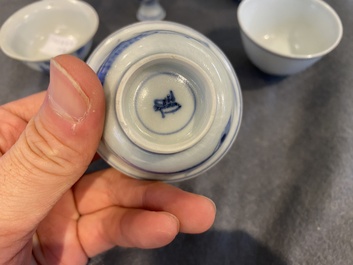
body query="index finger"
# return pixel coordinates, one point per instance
(26, 108)
(14, 117)
(106, 188)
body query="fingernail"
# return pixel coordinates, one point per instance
(174, 219)
(65, 94)
(212, 202)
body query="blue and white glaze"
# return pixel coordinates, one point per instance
(125, 48)
(44, 66)
(83, 52)
(123, 45)
(126, 43)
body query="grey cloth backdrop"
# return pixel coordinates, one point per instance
(284, 192)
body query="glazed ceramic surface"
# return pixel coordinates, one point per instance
(284, 37)
(173, 101)
(150, 10)
(47, 28)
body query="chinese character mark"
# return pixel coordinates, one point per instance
(166, 105)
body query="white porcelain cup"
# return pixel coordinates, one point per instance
(41, 30)
(173, 101)
(284, 37)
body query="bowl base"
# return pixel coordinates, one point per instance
(160, 103)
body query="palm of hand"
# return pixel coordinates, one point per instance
(102, 209)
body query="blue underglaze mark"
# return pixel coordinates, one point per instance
(193, 97)
(223, 137)
(44, 66)
(224, 134)
(105, 67)
(83, 51)
(166, 105)
(80, 51)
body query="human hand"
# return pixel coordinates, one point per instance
(49, 214)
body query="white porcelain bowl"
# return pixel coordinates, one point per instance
(284, 37)
(47, 28)
(173, 101)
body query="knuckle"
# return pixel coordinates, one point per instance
(46, 153)
(11, 127)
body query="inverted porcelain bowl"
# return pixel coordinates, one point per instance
(173, 101)
(44, 29)
(284, 37)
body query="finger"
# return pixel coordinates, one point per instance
(113, 226)
(109, 187)
(55, 148)
(14, 117)
(26, 108)
(56, 241)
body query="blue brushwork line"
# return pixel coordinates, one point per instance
(223, 137)
(45, 66)
(80, 51)
(104, 68)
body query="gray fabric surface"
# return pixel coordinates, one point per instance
(284, 192)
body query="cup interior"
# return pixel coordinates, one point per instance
(47, 28)
(294, 28)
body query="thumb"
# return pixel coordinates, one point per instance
(55, 148)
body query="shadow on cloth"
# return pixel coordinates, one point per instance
(212, 247)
